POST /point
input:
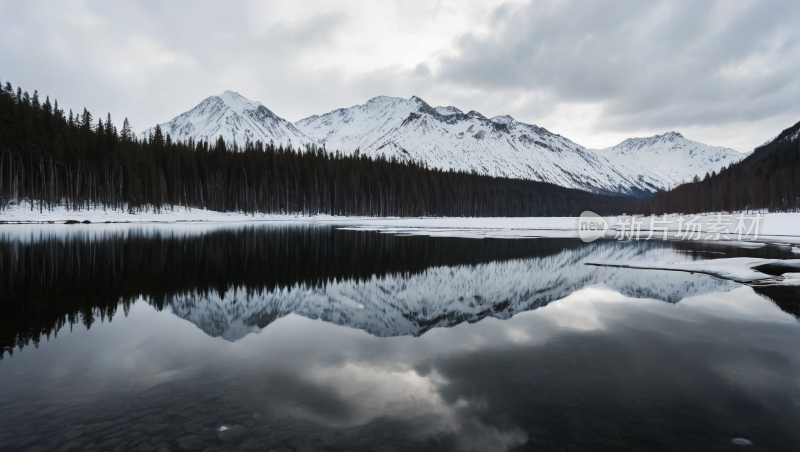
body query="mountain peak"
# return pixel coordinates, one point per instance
(237, 101)
(377, 102)
(422, 105)
(651, 140)
(669, 157)
(503, 119)
(235, 118)
(384, 98)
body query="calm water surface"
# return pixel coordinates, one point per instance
(309, 338)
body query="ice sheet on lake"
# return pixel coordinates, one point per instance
(740, 269)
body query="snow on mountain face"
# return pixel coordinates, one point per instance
(445, 137)
(669, 158)
(235, 118)
(442, 297)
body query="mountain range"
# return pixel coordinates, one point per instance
(448, 138)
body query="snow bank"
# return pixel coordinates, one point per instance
(775, 227)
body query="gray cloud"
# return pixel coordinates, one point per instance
(647, 65)
(721, 72)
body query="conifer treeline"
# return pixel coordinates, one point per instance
(50, 158)
(768, 179)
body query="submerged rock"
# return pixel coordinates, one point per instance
(233, 433)
(191, 442)
(163, 447)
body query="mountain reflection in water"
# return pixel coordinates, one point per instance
(236, 280)
(603, 359)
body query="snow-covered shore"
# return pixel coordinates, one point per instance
(774, 227)
(24, 214)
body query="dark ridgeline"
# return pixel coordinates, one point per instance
(52, 158)
(54, 281)
(768, 179)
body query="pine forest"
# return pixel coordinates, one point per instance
(51, 158)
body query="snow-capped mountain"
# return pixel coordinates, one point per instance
(448, 138)
(235, 118)
(669, 157)
(445, 137)
(444, 296)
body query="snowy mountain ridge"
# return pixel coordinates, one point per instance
(448, 138)
(445, 137)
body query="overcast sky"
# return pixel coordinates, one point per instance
(725, 73)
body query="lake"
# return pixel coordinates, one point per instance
(302, 337)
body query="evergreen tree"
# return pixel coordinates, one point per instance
(127, 132)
